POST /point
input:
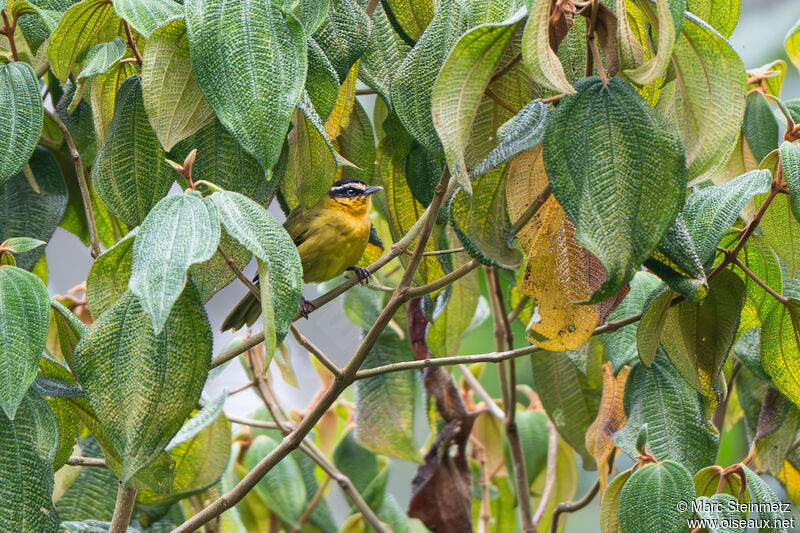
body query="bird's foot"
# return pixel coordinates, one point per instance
(306, 307)
(363, 275)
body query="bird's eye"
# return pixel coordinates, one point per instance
(351, 191)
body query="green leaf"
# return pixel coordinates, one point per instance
(482, 223)
(198, 422)
(410, 17)
(790, 163)
(670, 22)
(707, 480)
(356, 462)
(384, 54)
(620, 346)
(760, 127)
(201, 461)
(763, 495)
(146, 15)
(18, 245)
(77, 31)
(109, 275)
(27, 213)
(792, 44)
(130, 175)
(21, 117)
(675, 421)
(705, 102)
(26, 472)
(386, 404)
(215, 274)
(780, 348)
(522, 132)
(343, 36)
(281, 489)
(102, 57)
(221, 161)
(636, 196)
(104, 95)
(721, 16)
(676, 261)
(532, 427)
(545, 66)
(779, 228)
(322, 81)
(762, 261)
(143, 385)
(310, 13)
(710, 212)
(570, 397)
(357, 145)
(68, 427)
(69, 331)
(609, 506)
(449, 324)
(413, 84)
(650, 499)
(251, 65)
(24, 320)
(461, 83)
(321, 517)
(698, 337)
(172, 98)
(311, 167)
(261, 234)
(180, 231)
(722, 509)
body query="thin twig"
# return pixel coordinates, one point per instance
(8, 31)
(492, 357)
(363, 92)
(239, 274)
(132, 42)
(752, 275)
(126, 498)
(86, 461)
(505, 68)
(508, 383)
(571, 507)
(314, 501)
(502, 102)
(512, 316)
(444, 252)
(370, 9)
(316, 352)
(83, 185)
(253, 423)
(550, 475)
(478, 389)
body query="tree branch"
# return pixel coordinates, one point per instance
(425, 224)
(508, 384)
(132, 42)
(492, 357)
(126, 497)
(86, 461)
(316, 352)
(571, 507)
(8, 30)
(478, 389)
(552, 471)
(84, 186)
(238, 272)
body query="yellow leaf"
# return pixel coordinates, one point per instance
(610, 418)
(340, 116)
(559, 272)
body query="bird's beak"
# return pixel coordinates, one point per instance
(372, 189)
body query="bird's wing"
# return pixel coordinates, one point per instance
(297, 224)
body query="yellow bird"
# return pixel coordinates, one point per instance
(330, 236)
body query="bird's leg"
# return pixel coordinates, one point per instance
(363, 275)
(306, 307)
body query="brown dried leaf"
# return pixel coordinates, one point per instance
(610, 419)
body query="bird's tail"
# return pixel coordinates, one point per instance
(245, 312)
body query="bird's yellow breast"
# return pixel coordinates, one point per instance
(335, 236)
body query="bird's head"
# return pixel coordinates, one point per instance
(352, 194)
